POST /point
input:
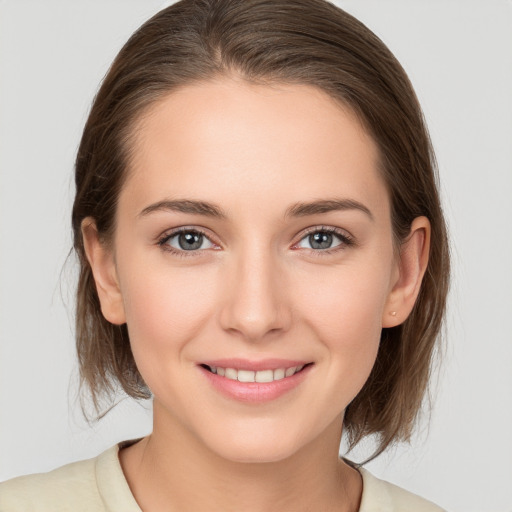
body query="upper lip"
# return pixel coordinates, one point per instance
(246, 364)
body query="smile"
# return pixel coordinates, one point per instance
(255, 376)
(255, 382)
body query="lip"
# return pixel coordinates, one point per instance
(255, 392)
(263, 364)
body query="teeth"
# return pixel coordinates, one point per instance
(245, 376)
(290, 371)
(279, 373)
(231, 373)
(263, 376)
(259, 376)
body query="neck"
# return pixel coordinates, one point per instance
(162, 471)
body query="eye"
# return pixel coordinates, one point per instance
(185, 240)
(325, 239)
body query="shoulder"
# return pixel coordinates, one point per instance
(382, 496)
(92, 485)
(70, 487)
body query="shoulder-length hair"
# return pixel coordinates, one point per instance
(308, 42)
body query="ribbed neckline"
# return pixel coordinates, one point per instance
(117, 495)
(112, 484)
(375, 497)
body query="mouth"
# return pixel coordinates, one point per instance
(254, 382)
(260, 376)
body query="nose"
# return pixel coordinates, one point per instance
(256, 303)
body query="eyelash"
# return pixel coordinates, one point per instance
(162, 242)
(346, 241)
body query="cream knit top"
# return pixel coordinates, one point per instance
(99, 485)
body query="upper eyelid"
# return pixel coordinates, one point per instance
(330, 229)
(180, 229)
(186, 229)
(343, 235)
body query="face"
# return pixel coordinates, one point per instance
(253, 243)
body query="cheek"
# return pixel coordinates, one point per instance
(348, 303)
(164, 311)
(345, 312)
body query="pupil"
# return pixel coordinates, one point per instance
(189, 241)
(320, 240)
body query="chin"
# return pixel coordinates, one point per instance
(255, 454)
(253, 447)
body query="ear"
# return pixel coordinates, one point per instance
(102, 262)
(412, 264)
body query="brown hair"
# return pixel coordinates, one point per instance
(308, 42)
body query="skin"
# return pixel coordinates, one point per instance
(255, 289)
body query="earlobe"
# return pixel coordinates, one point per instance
(101, 260)
(412, 265)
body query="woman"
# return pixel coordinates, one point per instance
(263, 253)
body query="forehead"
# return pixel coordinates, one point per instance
(252, 142)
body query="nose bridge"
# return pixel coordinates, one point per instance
(255, 296)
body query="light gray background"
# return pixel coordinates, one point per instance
(459, 57)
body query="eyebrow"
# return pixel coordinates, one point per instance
(186, 206)
(324, 206)
(300, 209)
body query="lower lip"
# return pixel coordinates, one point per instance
(255, 392)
